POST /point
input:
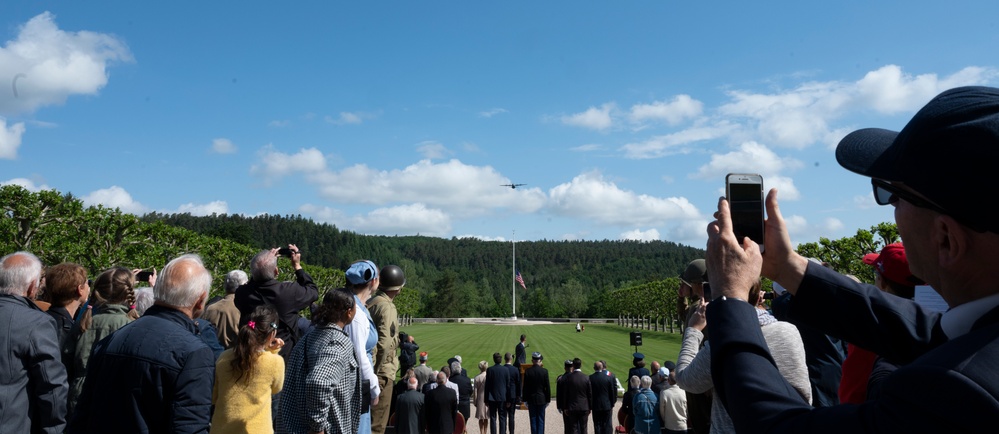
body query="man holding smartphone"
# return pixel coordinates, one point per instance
(933, 173)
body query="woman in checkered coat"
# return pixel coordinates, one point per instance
(322, 386)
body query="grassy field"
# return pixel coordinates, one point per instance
(556, 342)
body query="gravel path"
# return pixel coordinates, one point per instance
(553, 422)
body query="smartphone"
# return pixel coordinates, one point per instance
(744, 192)
(284, 251)
(707, 291)
(143, 276)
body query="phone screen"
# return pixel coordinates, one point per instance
(745, 197)
(143, 276)
(284, 251)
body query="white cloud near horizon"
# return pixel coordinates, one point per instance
(223, 146)
(48, 65)
(752, 157)
(640, 235)
(27, 184)
(205, 209)
(275, 164)
(405, 219)
(115, 197)
(590, 196)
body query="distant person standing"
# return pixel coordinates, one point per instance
(537, 393)
(288, 298)
(520, 353)
(382, 308)
(500, 392)
(673, 407)
(407, 353)
(465, 390)
(604, 396)
(515, 399)
(224, 314)
(578, 396)
(422, 371)
(479, 386)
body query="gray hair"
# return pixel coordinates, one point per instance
(262, 266)
(143, 299)
(16, 276)
(181, 286)
(646, 381)
(455, 367)
(634, 381)
(234, 279)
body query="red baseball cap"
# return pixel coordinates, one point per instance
(893, 265)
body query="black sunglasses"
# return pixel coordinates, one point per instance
(887, 194)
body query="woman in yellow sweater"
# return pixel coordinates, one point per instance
(247, 375)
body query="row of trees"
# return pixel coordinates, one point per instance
(445, 277)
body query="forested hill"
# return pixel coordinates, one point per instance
(467, 277)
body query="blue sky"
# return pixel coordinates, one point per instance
(402, 118)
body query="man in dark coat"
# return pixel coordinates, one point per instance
(288, 298)
(520, 353)
(500, 392)
(33, 389)
(515, 399)
(159, 354)
(465, 389)
(409, 410)
(603, 398)
(537, 393)
(441, 406)
(577, 399)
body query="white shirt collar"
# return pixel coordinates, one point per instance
(958, 320)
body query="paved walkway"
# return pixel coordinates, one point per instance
(553, 422)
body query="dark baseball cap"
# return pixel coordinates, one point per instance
(947, 153)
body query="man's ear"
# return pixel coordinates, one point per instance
(200, 304)
(951, 241)
(32, 290)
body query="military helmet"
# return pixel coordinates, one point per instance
(392, 278)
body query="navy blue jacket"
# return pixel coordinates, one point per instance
(944, 386)
(154, 375)
(499, 384)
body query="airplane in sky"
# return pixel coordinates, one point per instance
(513, 186)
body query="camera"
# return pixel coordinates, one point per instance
(284, 251)
(769, 295)
(143, 276)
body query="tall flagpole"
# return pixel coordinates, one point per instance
(513, 277)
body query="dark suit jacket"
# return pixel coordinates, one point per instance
(520, 355)
(759, 399)
(577, 392)
(515, 375)
(604, 391)
(441, 407)
(537, 388)
(499, 384)
(464, 388)
(409, 413)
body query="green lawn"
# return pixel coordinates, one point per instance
(557, 342)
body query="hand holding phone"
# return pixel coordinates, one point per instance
(744, 192)
(284, 251)
(143, 276)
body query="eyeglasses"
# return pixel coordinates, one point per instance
(887, 194)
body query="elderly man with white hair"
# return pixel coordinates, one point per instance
(33, 389)
(223, 314)
(155, 374)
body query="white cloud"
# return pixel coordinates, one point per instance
(10, 138)
(640, 235)
(587, 148)
(482, 237)
(115, 197)
(223, 146)
(279, 123)
(432, 150)
(593, 118)
(348, 118)
(27, 184)
(397, 220)
(681, 108)
(690, 232)
(215, 207)
(404, 219)
(752, 157)
(831, 225)
(796, 225)
(678, 142)
(47, 64)
(452, 186)
(492, 112)
(274, 164)
(590, 196)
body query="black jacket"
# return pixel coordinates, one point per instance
(287, 297)
(604, 391)
(154, 375)
(440, 407)
(537, 388)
